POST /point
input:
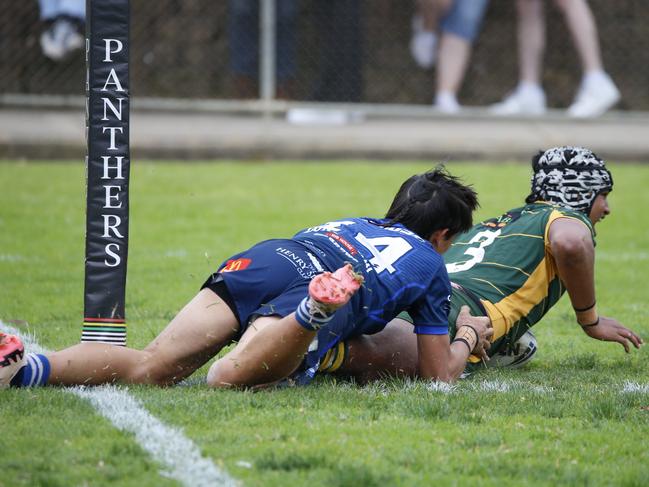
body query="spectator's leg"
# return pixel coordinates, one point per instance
(528, 98)
(465, 18)
(531, 40)
(460, 27)
(597, 92)
(425, 23)
(581, 23)
(454, 53)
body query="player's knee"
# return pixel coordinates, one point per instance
(151, 371)
(225, 374)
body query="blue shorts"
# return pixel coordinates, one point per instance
(271, 279)
(464, 18)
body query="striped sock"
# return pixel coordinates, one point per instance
(311, 316)
(35, 372)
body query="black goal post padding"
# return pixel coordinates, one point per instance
(107, 166)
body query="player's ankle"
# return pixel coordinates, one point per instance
(35, 372)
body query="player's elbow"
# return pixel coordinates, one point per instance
(436, 375)
(572, 251)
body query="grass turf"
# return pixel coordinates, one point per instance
(566, 418)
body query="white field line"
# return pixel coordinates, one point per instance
(505, 386)
(635, 387)
(180, 458)
(443, 387)
(508, 386)
(464, 385)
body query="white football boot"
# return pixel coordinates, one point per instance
(12, 358)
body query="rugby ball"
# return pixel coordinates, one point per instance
(517, 354)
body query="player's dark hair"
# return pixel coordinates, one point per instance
(433, 201)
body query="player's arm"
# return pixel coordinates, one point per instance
(572, 247)
(440, 360)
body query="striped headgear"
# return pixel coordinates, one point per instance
(569, 176)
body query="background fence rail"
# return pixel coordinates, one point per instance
(184, 49)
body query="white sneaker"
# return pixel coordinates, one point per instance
(60, 39)
(594, 97)
(522, 101)
(12, 358)
(447, 103)
(422, 44)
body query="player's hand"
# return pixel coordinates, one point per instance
(482, 325)
(610, 330)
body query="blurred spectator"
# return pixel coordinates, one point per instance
(244, 46)
(597, 92)
(64, 27)
(459, 22)
(425, 23)
(340, 72)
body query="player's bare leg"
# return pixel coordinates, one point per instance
(392, 352)
(272, 347)
(196, 334)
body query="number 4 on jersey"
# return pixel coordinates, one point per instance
(393, 249)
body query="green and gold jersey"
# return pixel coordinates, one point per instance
(508, 264)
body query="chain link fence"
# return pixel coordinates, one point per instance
(327, 50)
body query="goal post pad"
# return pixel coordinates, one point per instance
(107, 166)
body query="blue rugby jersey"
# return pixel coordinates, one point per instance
(402, 271)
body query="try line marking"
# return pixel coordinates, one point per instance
(179, 456)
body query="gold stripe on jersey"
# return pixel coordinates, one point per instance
(506, 312)
(498, 264)
(555, 215)
(519, 235)
(488, 282)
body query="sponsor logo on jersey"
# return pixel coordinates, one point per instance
(329, 227)
(233, 265)
(307, 270)
(350, 248)
(502, 220)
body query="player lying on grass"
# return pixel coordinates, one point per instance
(285, 309)
(513, 269)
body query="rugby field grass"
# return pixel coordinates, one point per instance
(577, 415)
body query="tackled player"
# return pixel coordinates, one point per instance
(513, 268)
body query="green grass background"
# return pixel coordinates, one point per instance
(563, 419)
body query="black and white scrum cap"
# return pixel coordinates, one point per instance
(570, 176)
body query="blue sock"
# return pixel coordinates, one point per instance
(35, 372)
